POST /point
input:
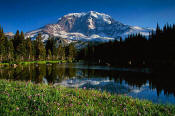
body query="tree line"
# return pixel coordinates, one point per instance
(19, 48)
(136, 49)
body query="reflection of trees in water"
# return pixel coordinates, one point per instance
(36, 73)
(134, 79)
(18, 73)
(163, 82)
(70, 72)
(159, 81)
(29, 72)
(40, 72)
(61, 74)
(55, 73)
(51, 73)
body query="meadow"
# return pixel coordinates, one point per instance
(26, 98)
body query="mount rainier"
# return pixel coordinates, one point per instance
(90, 26)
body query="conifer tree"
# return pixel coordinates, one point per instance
(53, 48)
(2, 47)
(61, 52)
(48, 48)
(16, 40)
(9, 50)
(49, 55)
(29, 48)
(71, 52)
(40, 49)
(21, 51)
(2, 44)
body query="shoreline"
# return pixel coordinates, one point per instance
(33, 62)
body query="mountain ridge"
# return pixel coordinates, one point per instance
(89, 26)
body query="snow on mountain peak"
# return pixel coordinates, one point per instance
(101, 16)
(93, 14)
(89, 26)
(75, 14)
(138, 28)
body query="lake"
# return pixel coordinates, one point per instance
(156, 85)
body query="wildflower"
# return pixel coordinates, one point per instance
(17, 108)
(86, 104)
(71, 105)
(124, 109)
(84, 87)
(58, 108)
(120, 104)
(139, 114)
(58, 104)
(30, 97)
(37, 94)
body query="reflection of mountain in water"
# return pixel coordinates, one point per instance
(105, 84)
(97, 83)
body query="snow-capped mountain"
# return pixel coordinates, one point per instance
(90, 26)
(9, 34)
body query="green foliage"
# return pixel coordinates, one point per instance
(51, 49)
(71, 52)
(40, 48)
(49, 55)
(24, 98)
(20, 49)
(29, 50)
(61, 52)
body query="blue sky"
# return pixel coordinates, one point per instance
(28, 15)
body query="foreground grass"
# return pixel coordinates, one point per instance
(25, 98)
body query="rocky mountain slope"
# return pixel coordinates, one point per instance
(90, 26)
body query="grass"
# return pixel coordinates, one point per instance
(24, 98)
(43, 62)
(32, 62)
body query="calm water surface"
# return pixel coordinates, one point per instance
(142, 83)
